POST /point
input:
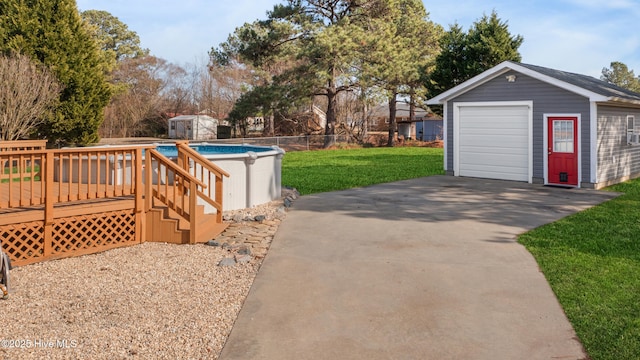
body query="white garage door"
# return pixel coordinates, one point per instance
(493, 141)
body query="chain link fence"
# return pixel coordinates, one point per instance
(288, 143)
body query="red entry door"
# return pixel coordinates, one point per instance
(563, 150)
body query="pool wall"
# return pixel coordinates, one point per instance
(255, 178)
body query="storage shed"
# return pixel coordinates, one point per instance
(529, 123)
(193, 127)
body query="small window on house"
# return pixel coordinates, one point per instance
(563, 136)
(633, 136)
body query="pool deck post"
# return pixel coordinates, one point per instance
(249, 161)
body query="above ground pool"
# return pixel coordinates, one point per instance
(255, 172)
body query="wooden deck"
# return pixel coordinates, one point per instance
(60, 203)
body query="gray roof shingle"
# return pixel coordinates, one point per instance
(586, 82)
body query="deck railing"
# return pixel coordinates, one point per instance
(20, 167)
(20, 145)
(36, 177)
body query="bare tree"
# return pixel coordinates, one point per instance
(142, 83)
(178, 93)
(27, 92)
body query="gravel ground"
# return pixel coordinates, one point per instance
(149, 301)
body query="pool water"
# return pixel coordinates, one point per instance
(172, 150)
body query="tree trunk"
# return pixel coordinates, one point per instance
(330, 127)
(269, 128)
(272, 123)
(243, 128)
(392, 119)
(365, 122)
(412, 111)
(412, 106)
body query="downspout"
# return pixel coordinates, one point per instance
(593, 139)
(445, 136)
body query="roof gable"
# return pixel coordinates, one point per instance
(587, 86)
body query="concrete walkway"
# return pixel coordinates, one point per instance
(420, 269)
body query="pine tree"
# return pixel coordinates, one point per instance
(450, 69)
(52, 32)
(403, 45)
(490, 43)
(306, 47)
(465, 55)
(619, 74)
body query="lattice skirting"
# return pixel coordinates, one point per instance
(70, 236)
(23, 242)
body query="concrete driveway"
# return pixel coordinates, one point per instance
(420, 269)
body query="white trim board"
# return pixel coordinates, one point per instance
(545, 144)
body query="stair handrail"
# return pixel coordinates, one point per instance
(180, 181)
(173, 166)
(187, 154)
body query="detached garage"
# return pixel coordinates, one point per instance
(529, 123)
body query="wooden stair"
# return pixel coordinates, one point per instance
(165, 225)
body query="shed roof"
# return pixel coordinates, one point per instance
(590, 87)
(193, 117)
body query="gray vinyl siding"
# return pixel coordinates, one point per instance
(616, 160)
(547, 99)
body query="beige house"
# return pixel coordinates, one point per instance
(193, 127)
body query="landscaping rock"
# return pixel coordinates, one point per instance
(244, 250)
(229, 246)
(227, 262)
(212, 243)
(243, 259)
(260, 218)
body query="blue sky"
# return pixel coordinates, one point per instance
(580, 36)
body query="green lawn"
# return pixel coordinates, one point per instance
(592, 262)
(320, 171)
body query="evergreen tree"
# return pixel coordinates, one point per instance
(401, 45)
(619, 74)
(325, 47)
(114, 38)
(451, 68)
(52, 33)
(490, 43)
(463, 56)
(306, 47)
